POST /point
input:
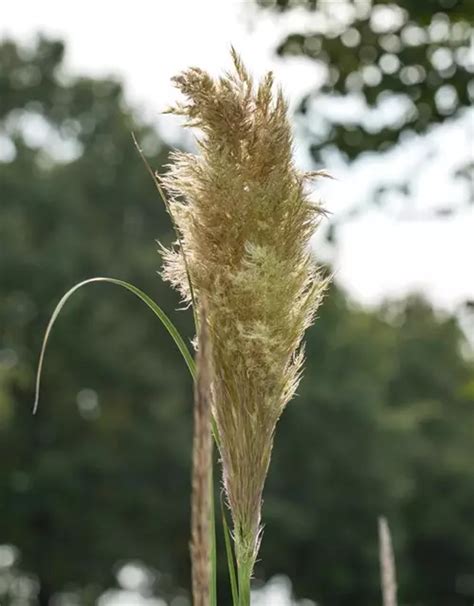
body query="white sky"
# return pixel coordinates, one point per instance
(146, 43)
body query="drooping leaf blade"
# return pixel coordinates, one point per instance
(156, 309)
(179, 341)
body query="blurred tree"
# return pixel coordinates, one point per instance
(97, 474)
(383, 425)
(431, 395)
(388, 70)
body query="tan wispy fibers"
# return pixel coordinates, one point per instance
(245, 221)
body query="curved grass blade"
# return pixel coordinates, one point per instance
(230, 558)
(155, 308)
(173, 331)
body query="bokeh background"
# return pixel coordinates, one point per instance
(94, 490)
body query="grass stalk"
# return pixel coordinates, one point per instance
(201, 511)
(387, 565)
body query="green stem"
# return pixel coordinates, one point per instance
(212, 530)
(230, 558)
(244, 573)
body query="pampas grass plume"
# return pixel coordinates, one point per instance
(245, 221)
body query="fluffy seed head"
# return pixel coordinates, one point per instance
(245, 221)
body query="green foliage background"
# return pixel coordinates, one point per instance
(383, 424)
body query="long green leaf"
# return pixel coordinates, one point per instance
(156, 309)
(173, 331)
(212, 530)
(230, 558)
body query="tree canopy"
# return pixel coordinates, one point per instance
(389, 70)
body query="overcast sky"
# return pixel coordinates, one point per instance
(145, 43)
